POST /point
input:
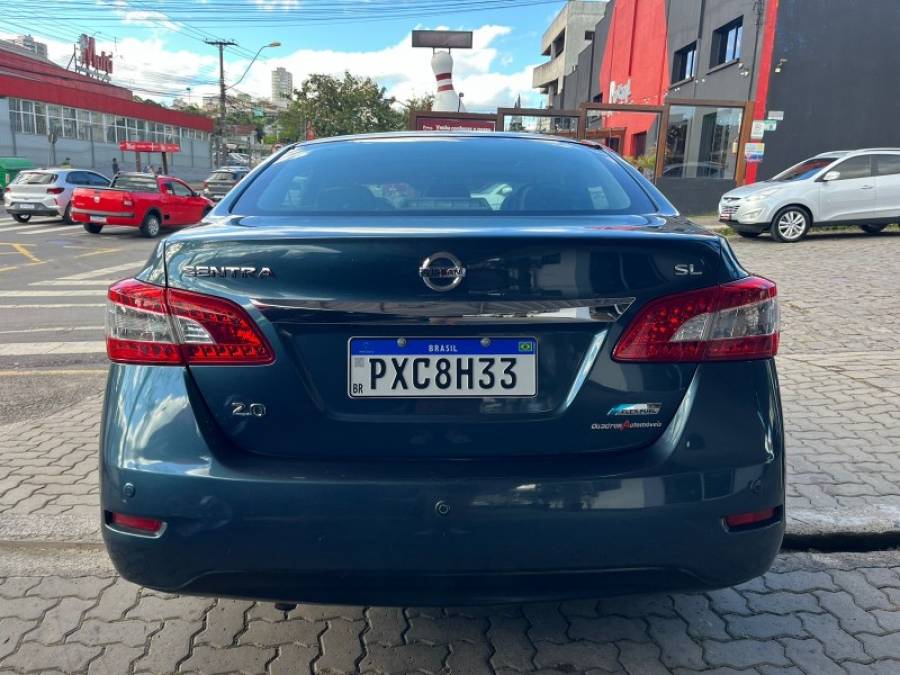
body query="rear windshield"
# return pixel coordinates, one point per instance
(804, 170)
(223, 175)
(444, 175)
(136, 183)
(35, 178)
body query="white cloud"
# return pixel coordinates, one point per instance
(148, 19)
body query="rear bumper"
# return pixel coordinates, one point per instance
(111, 218)
(38, 210)
(367, 532)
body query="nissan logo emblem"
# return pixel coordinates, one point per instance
(442, 271)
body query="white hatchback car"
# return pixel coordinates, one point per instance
(844, 187)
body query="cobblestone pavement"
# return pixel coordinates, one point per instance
(62, 608)
(839, 366)
(812, 614)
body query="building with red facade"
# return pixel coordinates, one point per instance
(706, 94)
(90, 118)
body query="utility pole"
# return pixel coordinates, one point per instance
(221, 44)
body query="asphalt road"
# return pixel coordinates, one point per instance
(53, 280)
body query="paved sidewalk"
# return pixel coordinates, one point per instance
(813, 614)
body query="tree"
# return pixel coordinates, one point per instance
(420, 103)
(334, 106)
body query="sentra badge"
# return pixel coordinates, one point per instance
(635, 409)
(227, 271)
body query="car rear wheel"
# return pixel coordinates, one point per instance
(790, 225)
(872, 229)
(67, 214)
(151, 225)
(92, 228)
(21, 217)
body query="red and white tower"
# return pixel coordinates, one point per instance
(446, 99)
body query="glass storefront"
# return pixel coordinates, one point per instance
(554, 125)
(632, 134)
(702, 142)
(34, 117)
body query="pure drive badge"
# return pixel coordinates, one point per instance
(635, 409)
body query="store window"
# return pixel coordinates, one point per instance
(726, 43)
(684, 63)
(631, 134)
(702, 142)
(555, 125)
(83, 119)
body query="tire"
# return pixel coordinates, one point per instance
(93, 228)
(21, 217)
(748, 235)
(151, 226)
(872, 229)
(67, 214)
(790, 225)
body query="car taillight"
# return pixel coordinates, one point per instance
(728, 322)
(148, 324)
(55, 191)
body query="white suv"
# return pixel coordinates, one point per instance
(844, 187)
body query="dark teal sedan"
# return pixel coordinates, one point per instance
(362, 381)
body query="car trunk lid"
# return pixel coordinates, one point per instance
(560, 285)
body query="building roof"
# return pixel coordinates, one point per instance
(28, 77)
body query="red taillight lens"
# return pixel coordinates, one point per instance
(55, 191)
(751, 518)
(734, 321)
(139, 523)
(138, 328)
(153, 325)
(214, 330)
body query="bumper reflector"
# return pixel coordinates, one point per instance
(752, 518)
(136, 523)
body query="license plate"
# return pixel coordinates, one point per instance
(25, 206)
(98, 219)
(725, 216)
(442, 367)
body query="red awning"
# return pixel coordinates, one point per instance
(148, 146)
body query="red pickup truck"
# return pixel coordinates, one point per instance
(139, 200)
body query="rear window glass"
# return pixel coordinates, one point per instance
(35, 178)
(223, 175)
(446, 174)
(136, 183)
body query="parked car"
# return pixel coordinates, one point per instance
(335, 396)
(222, 180)
(843, 187)
(47, 192)
(141, 200)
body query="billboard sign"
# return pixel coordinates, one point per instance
(149, 146)
(454, 124)
(442, 39)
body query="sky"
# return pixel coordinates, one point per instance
(160, 56)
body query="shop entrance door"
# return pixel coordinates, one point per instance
(633, 131)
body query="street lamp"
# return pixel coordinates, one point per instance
(253, 60)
